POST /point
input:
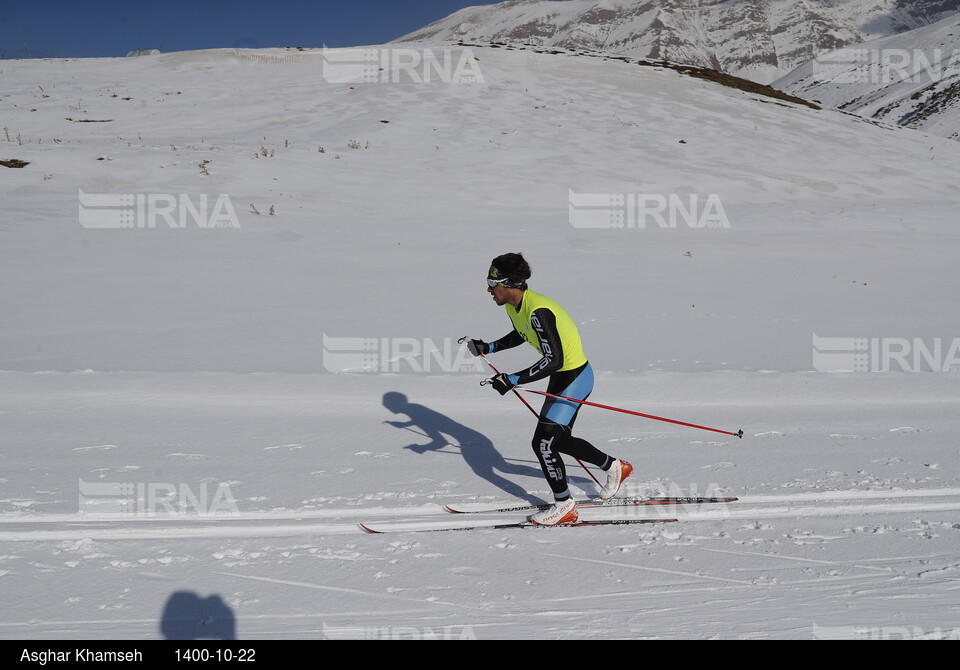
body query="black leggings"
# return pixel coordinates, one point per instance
(552, 439)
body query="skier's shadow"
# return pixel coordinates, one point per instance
(476, 448)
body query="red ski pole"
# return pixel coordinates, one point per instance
(739, 433)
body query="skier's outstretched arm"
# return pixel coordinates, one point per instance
(508, 341)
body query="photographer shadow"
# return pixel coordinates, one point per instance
(187, 616)
(476, 448)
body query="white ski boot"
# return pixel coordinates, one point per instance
(616, 475)
(562, 511)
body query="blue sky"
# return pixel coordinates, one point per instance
(80, 28)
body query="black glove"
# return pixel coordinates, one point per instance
(477, 347)
(502, 383)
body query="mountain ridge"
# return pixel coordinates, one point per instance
(761, 40)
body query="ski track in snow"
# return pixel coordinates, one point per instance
(292, 523)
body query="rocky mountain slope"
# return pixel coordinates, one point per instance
(761, 40)
(911, 79)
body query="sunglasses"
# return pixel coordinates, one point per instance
(496, 282)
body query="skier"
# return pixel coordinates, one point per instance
(542, 323)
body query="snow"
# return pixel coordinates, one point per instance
(189, 364)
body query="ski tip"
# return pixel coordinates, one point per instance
(451, 510)
(369, 530)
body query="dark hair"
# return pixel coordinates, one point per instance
(513, 266)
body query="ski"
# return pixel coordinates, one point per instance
(688, 500)
(416, 527)
(596, 502)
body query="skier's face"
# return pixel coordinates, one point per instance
(499, 293)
